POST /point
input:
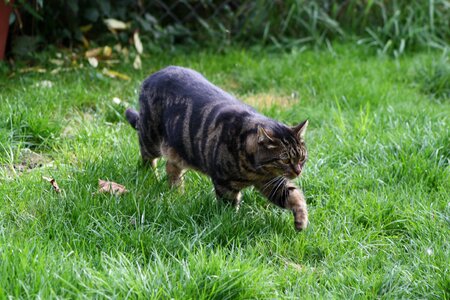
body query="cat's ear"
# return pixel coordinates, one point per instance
(263, 136)
(300, 129)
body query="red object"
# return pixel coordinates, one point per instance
(5, 11)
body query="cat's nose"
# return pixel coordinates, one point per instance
(297, 169)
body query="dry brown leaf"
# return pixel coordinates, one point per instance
(107, 51)
(53, 183)
(114, 24)
(118, 47)
(137, 64)
(32, 69)
(57, 70)
(86, 28)
(58, 62)
(138, 43)
(111, 62)
(93, 61)
(85, 41)
(93, 52)
(114, 74)
(111, 187)
(44, 84)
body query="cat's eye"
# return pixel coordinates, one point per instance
(286, 160)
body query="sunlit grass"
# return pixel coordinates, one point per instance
(377, 184)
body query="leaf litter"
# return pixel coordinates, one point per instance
(111, 187)
(53, 183)
(115, 74)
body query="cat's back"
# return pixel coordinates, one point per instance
(174, 77)
(179, 82)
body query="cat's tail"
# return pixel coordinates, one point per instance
(132, 117)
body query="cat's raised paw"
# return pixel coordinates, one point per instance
(300, 220)
(300, 225)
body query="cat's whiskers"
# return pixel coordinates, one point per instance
(270, 182)
(280, 183)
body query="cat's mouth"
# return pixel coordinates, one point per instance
(293, 174)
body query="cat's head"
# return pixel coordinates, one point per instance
(281, 151)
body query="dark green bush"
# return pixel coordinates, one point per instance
(389, 26)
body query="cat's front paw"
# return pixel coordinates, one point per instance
(300, 219)
(297, 204)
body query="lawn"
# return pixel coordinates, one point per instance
(377, 184)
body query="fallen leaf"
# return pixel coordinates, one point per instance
(111, 187)
(117, 47)
(107, 51)
(137, 64)
(114, 24)
(44, 84)
(53, 183)
(55, 71)
(58, 70)
(93, 52)
(32, 69)
(58, 62)
(110, 62)
(93, 61)
(138, 43)
(85, 41)
(114, 74)
(86, 28)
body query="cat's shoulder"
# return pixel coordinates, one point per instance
(176, 72)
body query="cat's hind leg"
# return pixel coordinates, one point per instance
(285, 194)
(174, 174)
(174, 165)
(150, 162)
(149, 151)
(227, 194)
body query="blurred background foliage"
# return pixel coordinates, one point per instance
(389, 26)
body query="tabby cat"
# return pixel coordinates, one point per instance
(194, 124)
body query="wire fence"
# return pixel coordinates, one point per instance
(390, 25)
(204, 19)
(183, 12)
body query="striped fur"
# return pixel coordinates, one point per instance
(194, 124)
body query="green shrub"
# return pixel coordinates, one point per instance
(390, 26)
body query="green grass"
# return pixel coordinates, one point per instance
(377, 184)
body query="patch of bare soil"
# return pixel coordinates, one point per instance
(267, 100)
(29, 160)
(26, 161)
